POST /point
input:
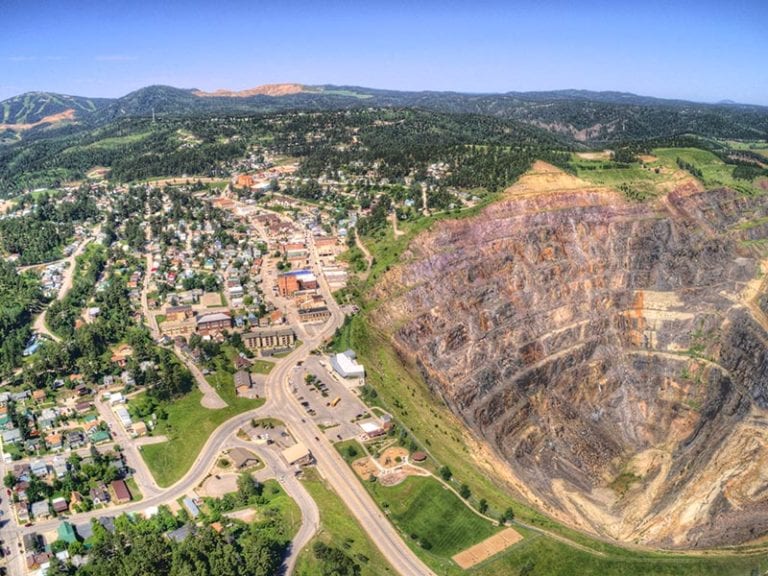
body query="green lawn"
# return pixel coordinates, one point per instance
(425, 511)
(262, 366)
(187, 427)
(339, 528)
(136, 494)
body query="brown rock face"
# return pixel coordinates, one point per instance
(614, 354)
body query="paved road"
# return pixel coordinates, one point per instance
(144, 479)
(69, 276)
(211, 398)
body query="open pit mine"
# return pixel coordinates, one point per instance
(613, 354)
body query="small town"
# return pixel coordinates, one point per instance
(436, 289)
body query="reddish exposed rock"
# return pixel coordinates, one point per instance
(561, 324)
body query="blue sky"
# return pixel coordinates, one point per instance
(705, 50)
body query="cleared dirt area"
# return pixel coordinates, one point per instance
(604, 155)
(216, 487)
(365, 468)
(487, 548)
(52, 119)
(246, 515)
(393, 456)
(544, 178)
(181, 181)
(265, 90)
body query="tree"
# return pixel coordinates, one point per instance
(464, 491)
(507, 516)
(9, 480)
(445, 473)
(247, 487)
(482, 506)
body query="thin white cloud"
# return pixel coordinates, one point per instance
(115, 58)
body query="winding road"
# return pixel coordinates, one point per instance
(39, 326)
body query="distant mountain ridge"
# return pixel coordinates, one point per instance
(582, 115)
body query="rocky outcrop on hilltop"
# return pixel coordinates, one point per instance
(615, 354)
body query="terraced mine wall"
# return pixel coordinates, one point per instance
(614, 354)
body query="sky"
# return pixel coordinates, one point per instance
(707, 51)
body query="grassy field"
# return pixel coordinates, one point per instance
(642, 181)
(339, 528)
(426, 512)
(715, 172)
(187, 428)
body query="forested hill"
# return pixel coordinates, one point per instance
(584, 116)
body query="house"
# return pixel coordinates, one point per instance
(75, 499)
(180, 534)
(31, 541)
(213, 323)
(59, 505)
(125, 418)
(83, 407)
(12, 436)
(39, 468)
(54, 441)
(66, 533)
(242, 458)
(22, 512)
(41, 510)
(241, 362)
(191, 507)
(47, 418)
(242, 379)
(100, 436)
(75, 439)
(346, 366)
(99, 494)
(140, 429)
(38, 395)
(59, 467)
(120, 492)
(121, 354)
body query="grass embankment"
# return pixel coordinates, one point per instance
(401, 391)
(279, 504)
(338, 528)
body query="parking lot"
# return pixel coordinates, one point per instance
(331, 404)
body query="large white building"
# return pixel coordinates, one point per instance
(346, 366)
